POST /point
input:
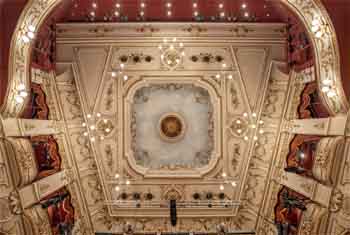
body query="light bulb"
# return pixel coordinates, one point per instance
(117, 5)
(92, 139)
(31, 35)
(143, 5)
(327, 82)
(221, 5)
(244, 6)
(239, 131)
(105, 120)
(331, 93)
(127, 182)
(23, 94)
(246, 138)
(31, 28)
(84, 124)
(222, 187)
(195, 5)
(125, 77)
(108, 130)
(217, 75)
(325, 89)
(117, 176)
(245, 114)
(114, 74)
(255, 138)
(254, 114)
(230, 76)
(88, 116)
(261, 131)
(19, 99)
(261, 122)
(315, 22)
(98, 115)
(85, 134)
(238, 121)
(181, 44)
(25, 39)
(224, 174)
(234, 184)
(21, 87)
(117, 188)
(116, 13)
(319, 34)
(92, 127)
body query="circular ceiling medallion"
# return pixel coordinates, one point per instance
(172, 127)
(171, 58)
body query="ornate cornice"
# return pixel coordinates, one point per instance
(326, 51)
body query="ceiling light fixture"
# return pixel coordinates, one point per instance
(254, 124)
(244, 5)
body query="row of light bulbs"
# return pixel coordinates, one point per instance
(320, 29)
(168, 8)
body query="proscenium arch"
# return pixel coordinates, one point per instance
(327, 59)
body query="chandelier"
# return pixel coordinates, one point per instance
(172, 52)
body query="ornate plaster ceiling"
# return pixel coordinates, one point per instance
(207, 108)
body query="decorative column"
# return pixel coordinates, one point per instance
(30, 127)
(35, 192)
(333, 126)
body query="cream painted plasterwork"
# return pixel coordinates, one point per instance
(243, 161)
(326, 48)
(213, 122)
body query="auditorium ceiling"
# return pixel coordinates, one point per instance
(157, 105)
(172, 112)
